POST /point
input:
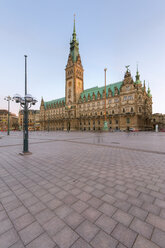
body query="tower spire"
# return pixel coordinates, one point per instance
(137, 74)
(74, 30)
(74, 45)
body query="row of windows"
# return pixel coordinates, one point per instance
(98, 122)
(126, 98)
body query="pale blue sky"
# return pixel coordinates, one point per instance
(111, 33)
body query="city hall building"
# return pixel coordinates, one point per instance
(128, 103)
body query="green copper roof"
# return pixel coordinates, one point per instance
(74, 45)
(97, 89)
(149, 92)
(49, 103)
(138, 82)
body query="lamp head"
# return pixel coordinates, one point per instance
(29, 98)
(17, 98)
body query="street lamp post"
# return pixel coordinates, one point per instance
(105, 128)
(8, 99)
(26, 102)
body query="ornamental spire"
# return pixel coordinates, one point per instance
(74, 45)
(137, 74)
(74, 30)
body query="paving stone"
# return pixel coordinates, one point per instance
(95, 202)
(80, 243)
(106, 223)
(53, 226)
(8, 238)
(135, 201)
(108, 198)
(70, 199)
(14, 214)
(123, 205)
(18, 244)
(84, 196)
(120, 195)
(62, 194)
(138, 212)
(103, 240)
(54, 203)
(121, 246)
(156, 221)
(146, 198)
(36, 208)
(30, 232)
(91, 214)
(122, 217)
(142, 242)
(80, 206)
(44, 216)
(157, 195)
(3, 215)
(132, 192)
(75, 191)
(43, 241)
(151, 208)
(158, 237)
(63, 211)
(23, 221)
(74, 219)
(87, 230)
(97, 193)
(124, 235)
(96, 175)
(30, 201)
(107, 209)
(12, 205)
(162, 213)
(142, 228)
(159, 203)
(5, 225)
(65, 238)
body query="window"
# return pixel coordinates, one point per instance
(101, 113)
(131, 109)
(123, 110)
(98, 122)
(112, 111)
(130, 97)
(110, 122)
(116, 99)
(116, 121)
(128, 120)
(140, 110)
(110, 101)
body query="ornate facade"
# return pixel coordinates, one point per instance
(128, 103)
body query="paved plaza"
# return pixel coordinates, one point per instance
(83, 190)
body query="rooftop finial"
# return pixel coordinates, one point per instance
(74, 30)
(137, 74)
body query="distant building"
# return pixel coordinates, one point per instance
(158, 119)
(13, 120)
(33, 119)
(129, 104)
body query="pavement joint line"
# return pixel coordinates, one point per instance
(86, 143)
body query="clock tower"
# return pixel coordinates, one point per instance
(74, 84)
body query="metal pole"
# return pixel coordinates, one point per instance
(8, 131)
(105, 92)
(25, 142)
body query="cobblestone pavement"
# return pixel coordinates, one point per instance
(83, 190)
